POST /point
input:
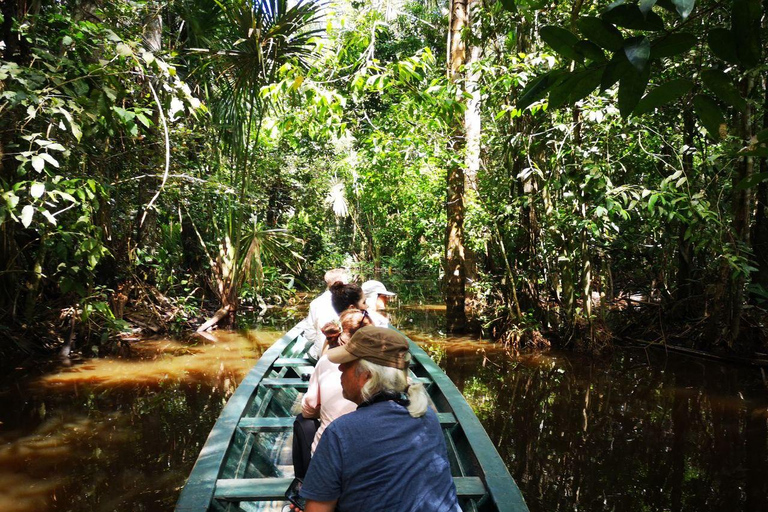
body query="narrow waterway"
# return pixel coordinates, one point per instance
(635, 431)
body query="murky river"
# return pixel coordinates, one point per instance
(635, 431)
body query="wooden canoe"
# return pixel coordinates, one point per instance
(245, 464)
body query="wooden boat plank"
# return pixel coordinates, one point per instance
(265, 489)
(285, 383)
(199, 489)
(291, 361)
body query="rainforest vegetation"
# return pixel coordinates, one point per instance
(571, 172)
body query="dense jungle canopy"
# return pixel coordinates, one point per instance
(571, 172)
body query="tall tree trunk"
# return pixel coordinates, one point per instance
(727, 301)
(472, 122)
(742, 208)
(684, 247)
(455, 272)
(760, 233)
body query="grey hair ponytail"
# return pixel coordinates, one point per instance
(384, 378)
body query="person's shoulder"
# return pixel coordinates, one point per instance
(320, 299)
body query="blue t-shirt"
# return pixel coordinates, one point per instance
(381, 458)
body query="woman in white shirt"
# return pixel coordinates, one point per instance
(323, 398)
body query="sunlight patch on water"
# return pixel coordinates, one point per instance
(156, 361)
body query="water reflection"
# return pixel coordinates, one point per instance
(117, 433)
(635, 431)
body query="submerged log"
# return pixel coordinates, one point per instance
(222, 313)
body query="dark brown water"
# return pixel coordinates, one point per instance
(635, 431)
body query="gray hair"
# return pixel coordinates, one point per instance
(385, 378)
(336, 274)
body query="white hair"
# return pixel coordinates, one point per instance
(336, 274)
(385, 378)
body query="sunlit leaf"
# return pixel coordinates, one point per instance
(48, 216)
(684, 7)
(123, 50)
(48, 158)
(37, 190)
(38, 163)
(26, 215)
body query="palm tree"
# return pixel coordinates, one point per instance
(247, 42)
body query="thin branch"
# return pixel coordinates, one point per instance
(167, 153)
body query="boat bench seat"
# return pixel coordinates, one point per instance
(447, 419)
(265, 489)
(285, 383)
(293, 361)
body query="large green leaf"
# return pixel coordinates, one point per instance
(638, 50)
(646, 5)
(672, 44)
(722, 85)
(576, 87)
(615, 70)
(709, 114)
(684, 7)
(587, 82)
(631, 89)
(600, 32)
(562, 41)
(538, 87)
(663, 94)
(745, 19)
(630, 16)
(509, 5)
(722, 43)
(590, 50)
(558, 95)
(668, 5)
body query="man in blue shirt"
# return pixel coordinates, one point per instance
(389, 454)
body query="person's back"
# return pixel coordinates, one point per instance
(389, 454)
(321, 311)
(387, 461)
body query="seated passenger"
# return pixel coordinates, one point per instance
(343, 297)
(321, 312)
(389, 454)
(376, 297)
(323, 398)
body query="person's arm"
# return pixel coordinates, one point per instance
(310, 403)
(320, 506)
